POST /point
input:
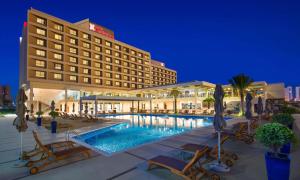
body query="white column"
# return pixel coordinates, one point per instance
(66, 100)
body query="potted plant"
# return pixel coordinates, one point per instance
(39, 118)
(287, 120)
(274, 136)
(53, 114)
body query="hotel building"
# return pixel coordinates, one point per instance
(82, 63)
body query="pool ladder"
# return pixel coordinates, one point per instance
(70, 133)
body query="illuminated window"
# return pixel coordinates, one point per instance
(57, 56)
(140, 61)
(108, 67)
(58, 27)
(118, 76)
(133, 85)
(40, 74)
(73, 41)
(73, 59)
(97, 56)
(147, 74)
(58, 37)
(73, 32)
(73, 78)
(107, 82)
(117, 61)
(86, 54)
(97, 81)
(126, 63)
(86, 71)
(125, 77)
(97, 65)
(108, 43)
(125, 84)
(41, 31)
(108, 75)
(41, 20)
(86, 79)
(86, 45)
(40, 52)
(133, 52)
(117, 54)
(108, 59)
(140, 86)
(139, 55)
(140, 80)
(97, 48)
(126, 70)
(58, 66)
(97, 40)
(97, 73)
(40, 63)
(117, 47)
(117, 83)
(85, 62)
(40, 42)
(133, 59)
(125, 56)
(57, 76)
(73, 69)
(140, 73)
(133, 79)
(85, 36)
(73, 50)
(58, 46)
(107, 51)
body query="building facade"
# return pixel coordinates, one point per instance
(297, 93)
(288, 93)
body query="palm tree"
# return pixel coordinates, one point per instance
(175, 93)
(209, 101)
(240, 83)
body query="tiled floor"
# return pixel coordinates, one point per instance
(130, 164)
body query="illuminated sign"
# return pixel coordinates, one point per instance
(101, 30)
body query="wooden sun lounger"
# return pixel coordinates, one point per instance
(188, 170)
(226, 157)
(239, 132)
(50, 156)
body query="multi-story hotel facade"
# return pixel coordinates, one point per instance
(82, 63)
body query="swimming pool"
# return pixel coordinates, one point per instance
(139, 130)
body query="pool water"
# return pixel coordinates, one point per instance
(140, 129)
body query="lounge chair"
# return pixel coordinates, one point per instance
(49, 155)
(226, 157)
(187, 170)
(239, 132)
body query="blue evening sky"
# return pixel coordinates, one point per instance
(202, 40)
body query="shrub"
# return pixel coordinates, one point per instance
(39, 113)
(288, 110)
(285, 119)
(53, 114)
(274, 135)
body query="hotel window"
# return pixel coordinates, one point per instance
(41, 31)
(140, 61)
(58, 46)
(73, 32)
(133, 72)
(40, 52)
(40, 74)
(73, 59)
(118, 76)
(108, 43)
(73, 41)
(108, 75)
(73, 78)
(126, 70)
(125, 84)
(125, 77)
(108, 82)
(117, 61)
(86, 45)
(58, 37)
(133, 79)
(40, 63)
(108, 59)
(97, 56)
(117, 47)
(85, 62)
(57, 76)
(85, 36)
(97, 81)
(86, 71)
(140, 86)
(125, 56)
(126, 49)
(140, 67)
(117, 83)
(140, 80)
(58, 66)
(73, 68)
(126, 64)
(41, 20)
(133, 85)
(107, 51)
(147, 75)
(58, 27)
(147, 81)
(117, 54)
(97, 73)
(40, 42)
(86, 54)
(57, 56)
(140, 73)
(97, 40)
(97, 48)
(97, 65)
(133, 66)
(133, 52)
(73, 50)
(139, 55)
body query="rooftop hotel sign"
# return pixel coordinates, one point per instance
(102, 31)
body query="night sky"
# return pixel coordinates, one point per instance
(202, 40)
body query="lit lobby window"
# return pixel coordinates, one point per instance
(41, 31)
(40, 74)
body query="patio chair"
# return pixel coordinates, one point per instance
(50, 156)
(226, 157)
(239, 132)
(187, 170)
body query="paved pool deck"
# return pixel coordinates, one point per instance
(130, 164)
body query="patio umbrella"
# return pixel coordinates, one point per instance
(73, 108)
(39, 106)
(219, 124)
(260, 107)
(248, 113)
(86, 108)
(19, 122)
(52, 107)
(31, 108)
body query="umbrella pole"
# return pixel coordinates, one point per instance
(219, 147)
(249, 126)
(21, 133)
